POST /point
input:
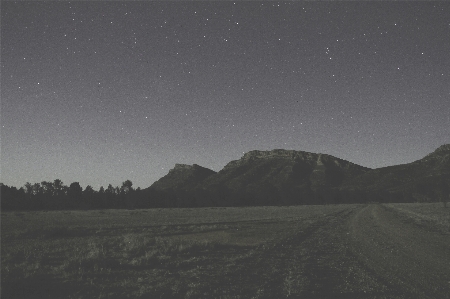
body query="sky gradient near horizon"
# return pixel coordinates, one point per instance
(101, 92)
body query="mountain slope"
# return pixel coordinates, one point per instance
(182, 177)
(288, 177)
(420, 179)
(280, 177)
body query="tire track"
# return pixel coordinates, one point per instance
(414, 261)
(310, 262)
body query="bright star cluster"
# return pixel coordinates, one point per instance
(101, 92)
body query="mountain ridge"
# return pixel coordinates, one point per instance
(279, 176)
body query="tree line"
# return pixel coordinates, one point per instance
(55, 195)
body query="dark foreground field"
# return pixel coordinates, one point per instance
(341, 251)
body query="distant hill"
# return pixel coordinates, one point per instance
(288, 177)
(420, 179)
(182, 177)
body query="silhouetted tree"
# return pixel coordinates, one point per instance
(28, 188)
(47, 188)
(75, 191)
(58, 187)
(110, 189)
(88, 197)
(7, 196)
(101, 198)
(126, 187)
(37, 189)
(110, 194)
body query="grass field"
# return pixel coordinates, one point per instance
(136, 252)
(258, 252)
(434, 216)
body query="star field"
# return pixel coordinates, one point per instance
(101, 92)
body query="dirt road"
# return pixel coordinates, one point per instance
(411, 260)
(373, 252)
(363, 252)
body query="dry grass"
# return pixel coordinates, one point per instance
(432, 215)
(173, 253)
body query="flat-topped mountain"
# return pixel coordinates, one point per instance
(289, 177)
(283, 176)
(262, 177)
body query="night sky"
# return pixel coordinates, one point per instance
(100, 92)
